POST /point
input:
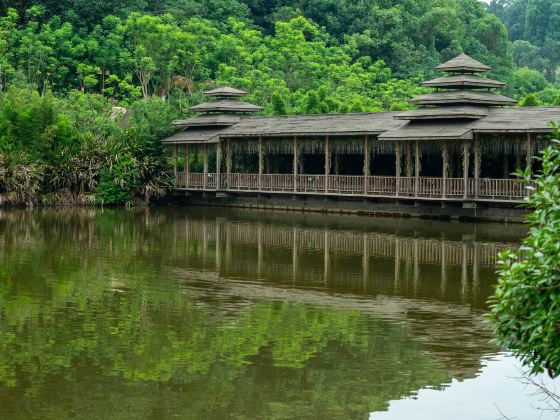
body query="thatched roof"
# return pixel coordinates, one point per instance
(216, 120)
(463, 63)
(382, 124)
(463, 81)
(194, 136)
(226, 105)
(498, 121)
(314, 125)
(225, 92)
(445, 113)
(463, 97)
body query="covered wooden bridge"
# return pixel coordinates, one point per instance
(461, 144)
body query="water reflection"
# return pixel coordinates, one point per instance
(213, 313)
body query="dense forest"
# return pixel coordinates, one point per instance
(87, 88)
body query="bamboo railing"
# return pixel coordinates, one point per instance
(375, 186)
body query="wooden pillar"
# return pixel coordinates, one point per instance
(187, 164)
(477, 162)
(465, 169)
(229, 162)
(409, 171)
(397, 168)
(529, 155)
(261, 161)
(445, 159)
(205, 170)
(175, 165)
(416, 167)
(327, 162)
(295, 163)
(366, 163)
(218, 164)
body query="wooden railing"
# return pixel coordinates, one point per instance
(376, 186)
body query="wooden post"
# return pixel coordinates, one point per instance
(175, 165)
(397, 168)
(205, 170)
(477, 162)
(229, 162)
(409, 172)
(445, 159)
(366, 163)
(261, 162)
(416, 168)
(529, 155)
(327, 163)
(187, 164)
(295, 163)
(465, 169)
(218, 164)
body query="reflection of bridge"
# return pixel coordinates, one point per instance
(340, 258)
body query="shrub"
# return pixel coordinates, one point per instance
(525, 309)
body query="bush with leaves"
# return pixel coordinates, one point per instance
(526, 305)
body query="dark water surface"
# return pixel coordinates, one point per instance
(200, 313)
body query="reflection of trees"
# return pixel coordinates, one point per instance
(97, 319)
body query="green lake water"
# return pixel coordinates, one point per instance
(210, 313)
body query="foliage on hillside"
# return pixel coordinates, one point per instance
(534, 29)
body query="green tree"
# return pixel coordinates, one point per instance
(525, 305)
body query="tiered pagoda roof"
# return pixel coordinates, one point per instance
(223, 111)
(463, 88)
(461, 97)
(227, 102)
